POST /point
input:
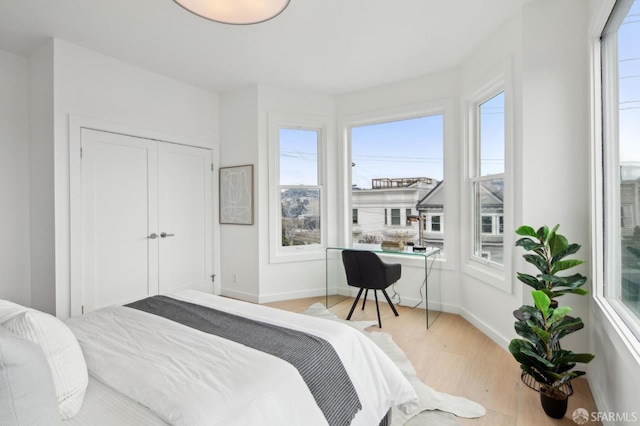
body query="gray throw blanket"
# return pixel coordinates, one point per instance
(316, 360)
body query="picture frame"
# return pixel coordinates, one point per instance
(236, 195)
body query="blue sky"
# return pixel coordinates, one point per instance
(629, 85)
(406, 148)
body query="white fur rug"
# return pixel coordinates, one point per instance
(434, 407)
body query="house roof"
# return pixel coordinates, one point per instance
(492, 197)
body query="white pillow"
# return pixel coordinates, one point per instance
(9, 310)
(27, 392)
(63, 353)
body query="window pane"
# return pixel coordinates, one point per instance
(486, 224)
(298, 157)
(300, 216)
(395, 216)
(628, 122)
(489, 210)
(398, 164)
(435, 223)
(492, 136)
(354, 216)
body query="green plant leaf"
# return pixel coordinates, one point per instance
(529, 244)
(583, 358)
(526, 230)
(571, 249)
(532, 313)
(540, 359)
(562, 265)
(564, 326)
(537, 261)
(543, 334)
(551, 281)
(557, 244)
(578, 291)
(541, 301)
(530, 281)
(558, 313)
(575, 280)
(543, 234)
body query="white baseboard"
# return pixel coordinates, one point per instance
(247, 297)
(500, 340)
(276, 297)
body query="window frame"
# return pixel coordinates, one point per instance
(322, 124)
(447, 259)
(607, 226)
(438, 222)
(479, 266)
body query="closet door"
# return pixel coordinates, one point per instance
(119, 212)
(184, 218)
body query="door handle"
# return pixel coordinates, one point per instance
(165, 235)
(153, 236)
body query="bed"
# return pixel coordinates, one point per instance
(193, 358)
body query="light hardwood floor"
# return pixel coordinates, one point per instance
(453, 356)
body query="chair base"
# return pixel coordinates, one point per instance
(375, 294)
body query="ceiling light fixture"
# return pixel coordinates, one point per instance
(235, 12)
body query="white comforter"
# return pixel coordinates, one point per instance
(191, 378)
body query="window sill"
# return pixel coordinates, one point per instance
(297, 254)
(488, 275)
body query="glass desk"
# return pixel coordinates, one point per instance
(338, 290)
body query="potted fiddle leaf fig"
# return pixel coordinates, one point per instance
(539, 353)
(548, 251)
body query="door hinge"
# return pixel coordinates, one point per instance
(80, 152)
(82, 309)
(213, 277)
(211, 166)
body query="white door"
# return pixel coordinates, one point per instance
(184, 218)
(119, 213)
(146, 209)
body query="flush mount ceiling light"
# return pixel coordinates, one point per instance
(236, 12)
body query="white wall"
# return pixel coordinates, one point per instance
(15, 274)
(483, 303)
(555, 81)
(41, 183)
(92, 85)
(239, 146)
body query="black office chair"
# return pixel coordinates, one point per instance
(367, 271)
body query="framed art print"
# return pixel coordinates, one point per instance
(236, 195)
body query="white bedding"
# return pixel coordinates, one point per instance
(104, 406)
(188, 377)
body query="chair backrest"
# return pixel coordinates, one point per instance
(364, 269)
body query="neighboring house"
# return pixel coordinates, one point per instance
(381, 213)
(629, 198)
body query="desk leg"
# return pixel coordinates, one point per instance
(426, 288)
